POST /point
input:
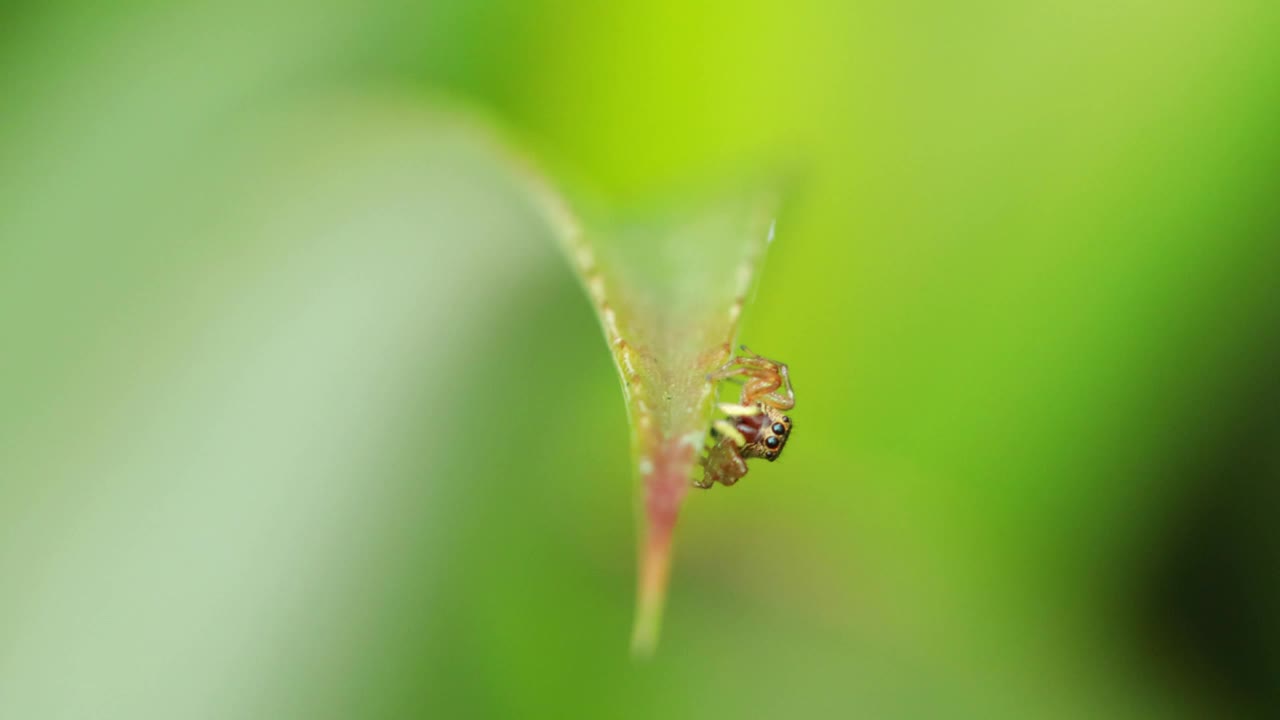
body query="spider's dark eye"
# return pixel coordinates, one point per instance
(771, 442)
(770, 455)
(786, 419)
(778, 429)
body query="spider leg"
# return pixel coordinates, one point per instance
(737, 468)
(763, 377)
(742, 365)
(738, 410)
(728, 371)
(723, 465)
(727, 430)
(782, 399)
(757, 363)
(756, 380)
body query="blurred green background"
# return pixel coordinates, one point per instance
(303, 415)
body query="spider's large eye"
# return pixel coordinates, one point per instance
(778, 429)
(771, 441)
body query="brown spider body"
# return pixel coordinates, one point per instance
(756, 426)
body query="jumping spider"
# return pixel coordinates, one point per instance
(755, 427)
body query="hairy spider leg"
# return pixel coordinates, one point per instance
(766, 381)
(739, 469)
(727, 430)
(776, 392)
(734, 410)
(723, 464)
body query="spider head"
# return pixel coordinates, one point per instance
(772, 437)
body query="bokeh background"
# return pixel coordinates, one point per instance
(303, 415)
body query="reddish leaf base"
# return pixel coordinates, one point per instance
(664, 487)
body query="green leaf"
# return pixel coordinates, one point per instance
(669, 291)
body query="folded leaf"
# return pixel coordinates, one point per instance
(669, 291)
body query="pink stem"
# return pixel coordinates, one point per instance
(664, 487)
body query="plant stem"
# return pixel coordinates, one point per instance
(664, 488)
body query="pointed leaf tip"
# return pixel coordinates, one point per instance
(669, 291)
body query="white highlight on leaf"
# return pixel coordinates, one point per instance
(693, 439)
(744, 277)
(596, 286)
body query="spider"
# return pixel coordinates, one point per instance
(755, 427)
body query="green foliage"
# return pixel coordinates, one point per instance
(302, 414)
